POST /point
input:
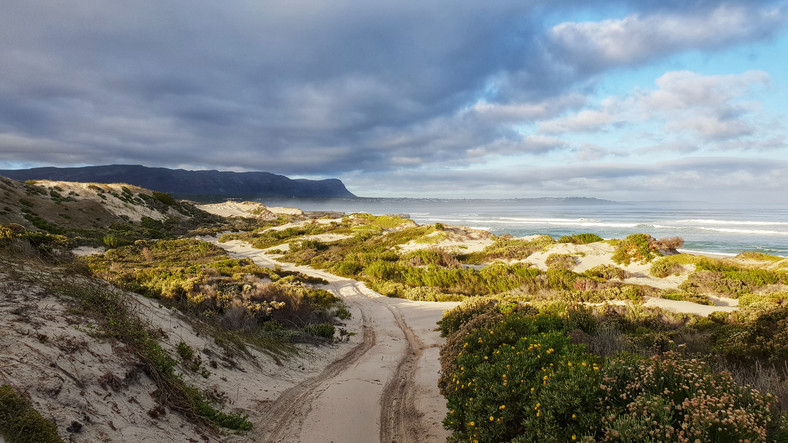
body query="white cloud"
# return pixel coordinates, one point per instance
(586, 120)
(636, 38)
(710, 107)
(526, 111)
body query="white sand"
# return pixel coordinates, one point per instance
(249, 210)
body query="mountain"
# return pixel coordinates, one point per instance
(181, 183)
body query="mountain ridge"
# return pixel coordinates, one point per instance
(182, 183)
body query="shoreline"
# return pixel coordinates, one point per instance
(709, 228)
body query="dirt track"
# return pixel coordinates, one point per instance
(384, 387)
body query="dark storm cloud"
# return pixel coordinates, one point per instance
(309, 87)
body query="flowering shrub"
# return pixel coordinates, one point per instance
(668, 398)
(521, 377)
(517, 374)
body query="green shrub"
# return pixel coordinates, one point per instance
(113, 241)
(764, 337)
(635, 248)
(46, 244)
(752, 277)
(560, 261)
(779, 298)
(6, 234)
(701, 299)
(454, 318)
(322, 330)
(759, 256)
(725, 279)
(20, 423)
(520, 378)
(507, 377)
(606, 272)
(164, 198)
(663, 268)
(508, 248)
(185, 351)
(580, 239)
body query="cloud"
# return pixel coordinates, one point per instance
(695, 178)
(711, 107)
(635, 39)
(365, 90)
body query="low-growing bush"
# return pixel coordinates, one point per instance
(669, 398)
(164, 198)
(322, 330)
(560, 261)
(637, 248)
(701, 299)
(580, 239)
(526, 375)
(508, 248)
(200, 278)
(759, 256)
(719, 278)
(662, 268)
(753, 336)
(606, 272)
(20, 423)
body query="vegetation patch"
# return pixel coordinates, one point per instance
(718, 277)
(20, 422)
(201, 279)
(560, 261)
(508, 248)
(580, 239)
(557, 373)
(636, 248)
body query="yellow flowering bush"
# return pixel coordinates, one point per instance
(516, 375)
(522, 377)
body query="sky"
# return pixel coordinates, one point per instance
(614, 99)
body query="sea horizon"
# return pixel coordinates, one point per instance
(707, 227)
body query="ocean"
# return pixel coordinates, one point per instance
(716, 228)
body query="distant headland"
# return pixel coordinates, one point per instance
(202, 185)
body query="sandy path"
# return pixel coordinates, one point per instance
(384, 388)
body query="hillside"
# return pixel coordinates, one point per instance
(88, 212)
(202, 185)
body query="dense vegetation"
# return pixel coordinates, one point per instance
(233, 294)
(372, 252)
(513, 372)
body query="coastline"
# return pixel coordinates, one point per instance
(706, 227)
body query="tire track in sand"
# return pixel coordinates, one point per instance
(286, 415)
(400, 419)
